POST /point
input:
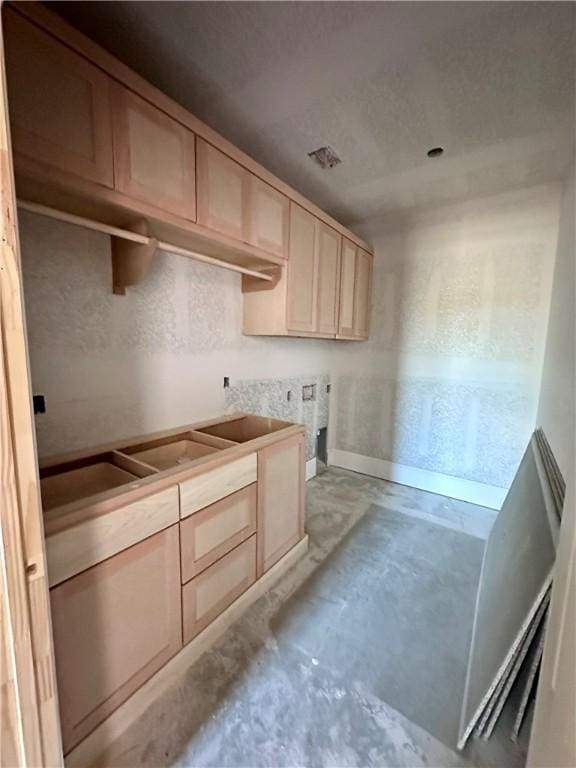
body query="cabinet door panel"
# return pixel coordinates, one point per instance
(280, 500)
(213, 590)
(222, 192)
(59, 103)
(114, 626)
(209, 534)
(328, 245)
(269, 218)
(154, 155)
(362, 294)
(302, 271)
(347, 281)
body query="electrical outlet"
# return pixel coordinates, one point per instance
(39, 402)
(309, 392)
(289, 395)
(328, 386)
(226, 382)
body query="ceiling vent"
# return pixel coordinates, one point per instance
(325, 157)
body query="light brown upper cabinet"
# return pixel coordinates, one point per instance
(223, 192)
(93, 138)
(153, 155)
(347, 281)
(304, 299)
(302, 271)
(362, 293)
(269, 218)
(115, 625)
(280, 500)
(328, 256)
(59, 104)
(355, 289)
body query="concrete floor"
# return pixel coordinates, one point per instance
(355, 658)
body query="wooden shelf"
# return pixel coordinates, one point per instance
(39, 183)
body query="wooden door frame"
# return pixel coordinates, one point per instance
(30, 731)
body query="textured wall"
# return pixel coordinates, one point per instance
(557, 399)
(116, 366)
(269, 397)
(449, 381)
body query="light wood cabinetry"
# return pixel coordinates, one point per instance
(362, 292)
(205, 489)
(223, 192)
(355, 292)
(144, 561)
(302, 285)
(347, 283)
(153, 155)
(212, 591)
(93, 140)
(114, 626)
(60, 111)
(328, 255)
(79, 547)
(303, 301)
(268, 218)
(209, 534)
(280, 500)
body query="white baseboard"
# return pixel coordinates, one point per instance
(490, 496)
(311, 469)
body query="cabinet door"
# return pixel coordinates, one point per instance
(209, 534)
(59, 103)
(114, 626)
(213, 590)
(347, 281)
(269, 218)
(153, 155)
(328, 246)
(362, 293)
(280, 500)
(302, 271)
(222, 192)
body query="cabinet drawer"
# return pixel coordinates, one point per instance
(211, 486)
(82, 546)
(212, 591)
(209, 534)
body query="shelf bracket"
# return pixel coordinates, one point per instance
(131, 260)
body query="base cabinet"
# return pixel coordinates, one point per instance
(212, 591)
(280, 500)
(115, 625)
(118, 621)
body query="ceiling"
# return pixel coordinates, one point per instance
(380, 82)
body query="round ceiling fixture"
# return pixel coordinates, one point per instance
(435, 152)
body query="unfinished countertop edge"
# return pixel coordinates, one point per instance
(75, 513)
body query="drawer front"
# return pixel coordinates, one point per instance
(209, 534)
(76, 549)
(213, 590)
(205, 489)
